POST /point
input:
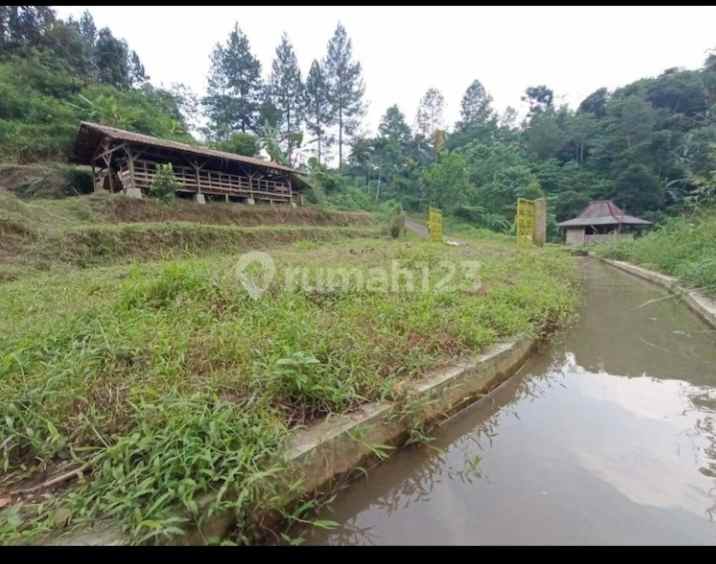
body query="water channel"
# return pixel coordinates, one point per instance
(606, 436)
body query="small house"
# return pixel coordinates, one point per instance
(601, 221)
(124, 161)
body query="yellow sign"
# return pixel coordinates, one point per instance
(525, 220)
(435, 224)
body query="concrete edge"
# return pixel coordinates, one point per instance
(703, 306)
(335, 446)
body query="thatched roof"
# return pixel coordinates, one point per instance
(603, 212)
(90, 134)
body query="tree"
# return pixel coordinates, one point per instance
(112, 59)
(430, 113)
(23, 26)
(447, 182)
(269, 139)
(346, 87)
(595, 103)
(389, 154)
(287, 95)
(539, 98)
(65, 39)
(137, 74)
(88, 29)
(475, 107)
(544, 137)
(318, 109)
(242, 144)
(234, 89)
(638, 190)
(188, 105)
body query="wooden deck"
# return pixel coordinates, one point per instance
(208, 182)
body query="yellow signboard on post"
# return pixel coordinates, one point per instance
(525, 220)
(435, 224)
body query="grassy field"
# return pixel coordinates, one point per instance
(684, 247)
(40, 235)
(165, 380)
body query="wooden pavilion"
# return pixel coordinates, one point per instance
(600, 221)
(126, 161)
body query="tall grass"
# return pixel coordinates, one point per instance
(167, 381)
(684, 247)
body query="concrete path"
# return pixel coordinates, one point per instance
(422, 231)
(418, 228)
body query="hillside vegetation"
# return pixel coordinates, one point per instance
(684, 247)
(98, 229)
(647, 145)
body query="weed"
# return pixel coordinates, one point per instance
(172, 383)
(684, 247)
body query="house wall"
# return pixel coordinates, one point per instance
(574, 236)
(604, 237)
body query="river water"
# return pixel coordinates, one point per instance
(605, 437)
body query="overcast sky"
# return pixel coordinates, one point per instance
(406, 50)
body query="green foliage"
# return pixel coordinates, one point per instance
(345, 86)
(235, 88)
(172, 383)
(318, 110)
(683, 246)
(447, 182)
(164, 185)
(42, 103)
(286, 93)
(242, 144)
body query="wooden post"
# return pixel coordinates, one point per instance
(111, 181)
(130, 162)
(198, 177)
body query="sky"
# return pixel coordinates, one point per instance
(406, 50)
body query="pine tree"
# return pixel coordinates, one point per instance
(235, 88)
(88, 29)
(137, 74)
(346, 86)
(287, 95)
(88, 33)
(430, 113)
(393, 126)
(318, 110)
(475, 108)
(112, 59)
(24, 26)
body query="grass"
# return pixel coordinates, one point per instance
(684, 247)
(94, 230)
(168, 381)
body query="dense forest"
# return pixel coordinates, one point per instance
(649, 145)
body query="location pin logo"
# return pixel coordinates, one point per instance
(255, 270)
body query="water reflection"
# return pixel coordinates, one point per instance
(605, 437)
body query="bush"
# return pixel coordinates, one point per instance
(164, 185)
(684, 247)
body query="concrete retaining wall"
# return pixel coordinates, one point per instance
(703, 306)
(339, 444)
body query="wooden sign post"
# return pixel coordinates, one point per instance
(525, 221)
(435, 224)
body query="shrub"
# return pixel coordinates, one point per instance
(164, 184)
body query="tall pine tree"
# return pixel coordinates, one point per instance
(346, 86)
(287, 95)
(430, 113)
(112, 58)
(318, 110)
(475, 108)
(235, 87)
